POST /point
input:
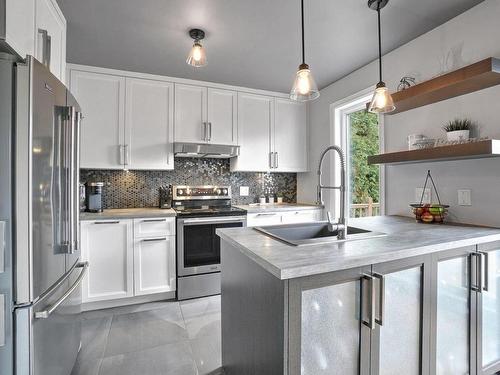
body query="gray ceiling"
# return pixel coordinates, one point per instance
(252, 43)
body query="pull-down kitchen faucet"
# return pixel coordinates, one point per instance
(341, 226)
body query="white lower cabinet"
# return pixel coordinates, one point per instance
(132, 257)
(282, 217)
(107, 246)
(154, 265)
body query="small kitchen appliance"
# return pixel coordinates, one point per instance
(200, 211)
(166, 196)
(93, 194)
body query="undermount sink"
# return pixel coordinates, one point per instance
(314, 233)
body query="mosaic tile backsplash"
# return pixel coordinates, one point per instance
(130, 189)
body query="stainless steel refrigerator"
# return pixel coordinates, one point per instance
(40, 268)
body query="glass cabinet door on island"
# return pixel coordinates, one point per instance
(488, 309)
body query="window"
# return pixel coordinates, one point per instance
(360, 134)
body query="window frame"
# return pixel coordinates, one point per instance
(339, 135)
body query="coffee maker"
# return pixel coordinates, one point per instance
(93, 196)
(166, 196)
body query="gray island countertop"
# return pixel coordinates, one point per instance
(405, 238)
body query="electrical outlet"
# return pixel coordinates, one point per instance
(427, 195)
(464, 197)
(244, 191)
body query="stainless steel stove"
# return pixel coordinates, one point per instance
(200, 211)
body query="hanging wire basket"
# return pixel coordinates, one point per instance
(430, 213)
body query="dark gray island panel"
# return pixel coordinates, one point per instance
(254, 324)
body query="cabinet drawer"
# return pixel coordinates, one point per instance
(154, 226)
(303, 216)
(264, 218)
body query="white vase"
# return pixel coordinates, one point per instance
(458, 135)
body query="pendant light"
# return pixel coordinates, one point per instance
(304, 87)
(197, 56)
(382, 100)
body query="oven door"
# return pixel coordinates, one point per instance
(198, 247)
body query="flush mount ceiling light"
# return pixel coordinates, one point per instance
(197, 56)
(382, 100)
(304, 87)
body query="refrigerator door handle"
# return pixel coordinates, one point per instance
(45, 314)
(75, 181)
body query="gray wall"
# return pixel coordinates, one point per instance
(468, 38)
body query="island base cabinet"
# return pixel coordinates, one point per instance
(453, 320)
(488, 311)
(323, 309)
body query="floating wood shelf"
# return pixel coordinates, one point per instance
(475, 77)
(475, 150)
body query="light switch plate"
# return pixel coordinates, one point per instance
(427, 195)
(464, 197)
(244, 191)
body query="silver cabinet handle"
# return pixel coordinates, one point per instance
(476, 272)
(46, 313)
(267, 214)
(381, 299)
(276, 160)
(271, 160)
(154, 239)
(153, 220)
(204, 131)
(371, 312)
(122, 154)
(107, 222)
(209, 131)
(127, 154)
(485, 285)
(46, 47)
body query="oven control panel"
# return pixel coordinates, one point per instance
(201, 192)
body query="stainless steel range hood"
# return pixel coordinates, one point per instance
(203, 150)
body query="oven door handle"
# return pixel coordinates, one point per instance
(212, 220)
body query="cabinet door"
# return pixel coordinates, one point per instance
(290, 136)
(264, 218)
(149, 124)
(488, 312)
(326, 333)
(154, 265)
(107, 246)
(50, 18)
(453, 341)
(255, 118)
(302, 216)
(400, 340)
(190, 113)
(19, 26)
(222, 116)
(102, 98)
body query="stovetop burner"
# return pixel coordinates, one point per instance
(197, 201)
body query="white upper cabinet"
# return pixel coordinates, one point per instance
(148, 124)
(19, 31)
(222, 116)
(255, 119)
(50, 39)
(290, 136)
(205, 115)
(190, 113)
(102, 98)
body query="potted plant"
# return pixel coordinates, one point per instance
(458, 129)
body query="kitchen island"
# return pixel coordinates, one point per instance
(421, 298)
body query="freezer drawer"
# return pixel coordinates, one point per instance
(48, 333)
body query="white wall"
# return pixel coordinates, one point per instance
(466, 39)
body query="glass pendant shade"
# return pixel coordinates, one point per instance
(304, 87)
(382, 100)
(197, 56)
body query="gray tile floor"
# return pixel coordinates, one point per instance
(159, 338)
